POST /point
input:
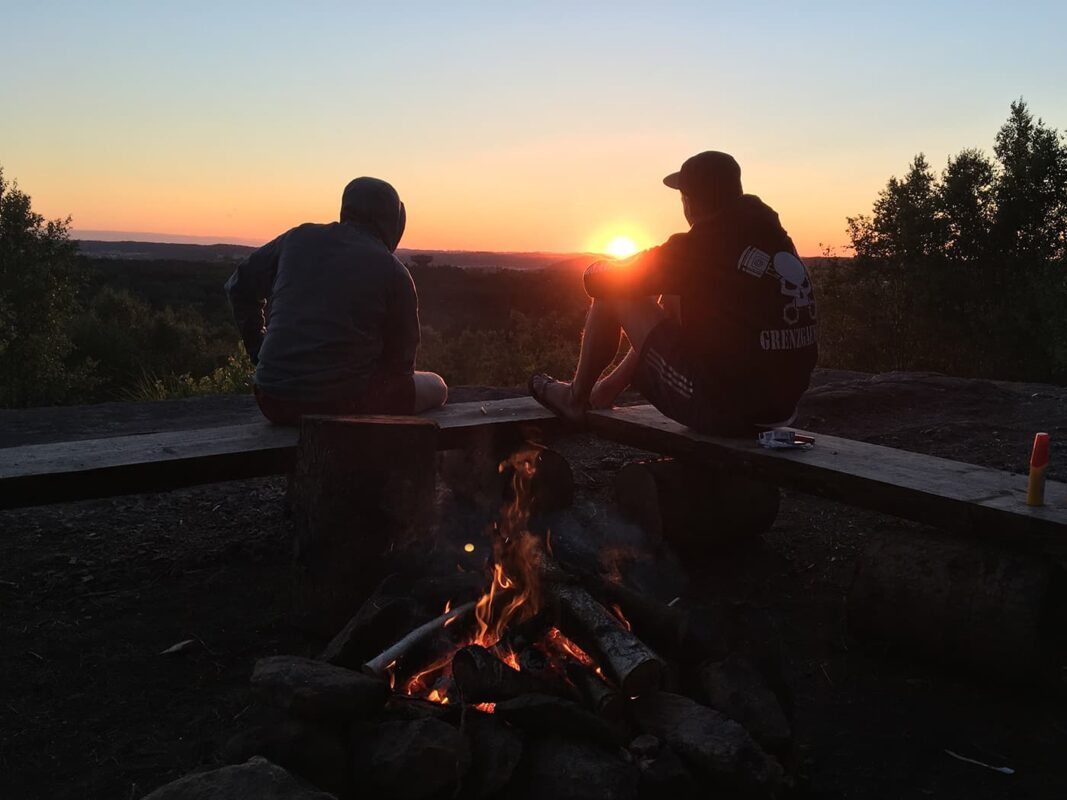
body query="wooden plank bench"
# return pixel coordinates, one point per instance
(947, 494)
(63, 471)
(944, 493)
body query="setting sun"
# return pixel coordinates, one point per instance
(621, 247)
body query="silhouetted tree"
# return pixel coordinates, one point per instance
(965, 203)
(1031, 189)
(38, 298)
(905, 225)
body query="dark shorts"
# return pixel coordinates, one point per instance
(669, 378)
(386, 394)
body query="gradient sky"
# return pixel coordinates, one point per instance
(505, 126)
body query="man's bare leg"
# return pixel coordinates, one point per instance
(608, 388)
(431, 391)
(607, 318)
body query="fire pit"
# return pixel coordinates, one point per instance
(532, 678)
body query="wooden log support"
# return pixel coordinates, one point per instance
(981, 608)
(361, 486)
(624, 658)
(482, 677)
(693, 506)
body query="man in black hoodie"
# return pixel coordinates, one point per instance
(329, 315)
(731, 345)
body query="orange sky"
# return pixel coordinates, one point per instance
(524, 127)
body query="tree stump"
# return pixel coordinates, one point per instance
(693, 506)
(963, 603)
(362, 487)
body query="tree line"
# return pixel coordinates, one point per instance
(961, 271)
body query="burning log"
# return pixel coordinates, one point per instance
(600, 697)
(626, 659)
(663, 625)
(426, 644)
(482, 677)
(696, 506)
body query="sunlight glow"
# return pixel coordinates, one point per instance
(621, 247)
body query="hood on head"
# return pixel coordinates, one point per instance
(374, 202)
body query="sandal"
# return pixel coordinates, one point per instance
(537, 386)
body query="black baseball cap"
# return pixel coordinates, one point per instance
(710, 175)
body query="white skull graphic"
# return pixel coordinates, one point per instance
(795, 285)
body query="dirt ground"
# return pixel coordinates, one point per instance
(92, 593)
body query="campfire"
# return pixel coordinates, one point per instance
(533, 672)
(533, 630)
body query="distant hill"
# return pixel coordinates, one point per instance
(171, 251)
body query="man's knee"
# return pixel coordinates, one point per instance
(431, 391)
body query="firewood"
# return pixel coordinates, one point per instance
(482, 677)
(628, 661)
(600, 697)
(422, 646)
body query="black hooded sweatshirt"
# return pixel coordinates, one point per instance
(323, 307)
(747, 306)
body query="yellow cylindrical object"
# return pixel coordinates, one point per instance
(1035, 492)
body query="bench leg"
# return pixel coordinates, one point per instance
(695, 507)
(362, 490)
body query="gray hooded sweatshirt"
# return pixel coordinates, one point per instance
(323, 307)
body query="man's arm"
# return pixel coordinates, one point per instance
(401, 335)
(249, 289)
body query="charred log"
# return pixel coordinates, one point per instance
(628, 661)
(600, 697)
(482, 677)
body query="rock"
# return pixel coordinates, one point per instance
(305, 749)
(316, 690)
(572, 769)
(410, 760)
(495, 750)
(709, 742)
(548, 715)
(256, 779)
(662, 772)
(401, 706)
(736, 688)
(380, 622)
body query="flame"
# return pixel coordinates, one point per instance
(435, 696)
(514, 592)
(488, 708)
(622, 617)
(564, 645)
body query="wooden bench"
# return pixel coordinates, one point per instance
(947, 494)
(63, 471)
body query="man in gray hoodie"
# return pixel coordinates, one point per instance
(329, 315)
